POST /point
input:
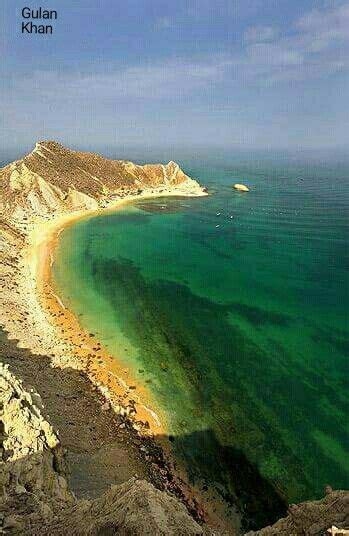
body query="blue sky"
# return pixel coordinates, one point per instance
(250, 73)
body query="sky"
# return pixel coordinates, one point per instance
(262, 74)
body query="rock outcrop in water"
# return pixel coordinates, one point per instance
(241, 187)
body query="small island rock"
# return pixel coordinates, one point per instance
(241, 187)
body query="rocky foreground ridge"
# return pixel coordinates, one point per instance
(35, 498)
(34, 494)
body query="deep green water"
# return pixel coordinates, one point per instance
(239, 330)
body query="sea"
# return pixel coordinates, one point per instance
(233, 310)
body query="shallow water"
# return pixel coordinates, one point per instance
(237, 322)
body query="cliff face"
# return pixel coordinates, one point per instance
(53, 178)
(32, 481)
(34, 495)
(329, 516)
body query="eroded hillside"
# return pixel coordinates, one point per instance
(53, 178)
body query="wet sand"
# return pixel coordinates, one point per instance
(105, 371)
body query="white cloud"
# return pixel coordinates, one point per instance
(273, 54)
(332, 24)
(169, 79)
(259, 34)
(163, 23)
(316, 46)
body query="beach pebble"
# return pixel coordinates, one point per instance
(11, 522)
(20, 489)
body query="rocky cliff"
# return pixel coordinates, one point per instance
(33, 486)
(34, 495)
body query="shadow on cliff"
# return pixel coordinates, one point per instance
(237, 480)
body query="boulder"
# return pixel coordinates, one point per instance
(241, 188)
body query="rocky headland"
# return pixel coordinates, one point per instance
(77, 449)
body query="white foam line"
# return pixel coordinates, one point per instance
(120, 380)
(58, 299)
(153, 414)
(148, 410)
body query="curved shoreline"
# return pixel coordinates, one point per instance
(100, 374)
(84, 351)
(104, 370)
(50, 328)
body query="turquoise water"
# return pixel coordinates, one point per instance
(237, 322)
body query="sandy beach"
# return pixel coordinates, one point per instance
(74, 346)
(112, 378)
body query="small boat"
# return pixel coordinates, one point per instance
(217, 226)
(218, 214)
